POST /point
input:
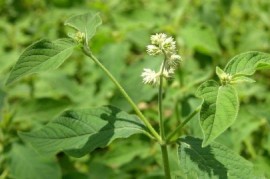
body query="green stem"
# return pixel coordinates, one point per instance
(163, 146)
(160, 111)
(165, 159)
(171, 135)
(124, 93)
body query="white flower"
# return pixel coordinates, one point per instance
(161, 44)
(169, 45)
(153, 50)
(173, 61)
(150, 76)
(158, 39)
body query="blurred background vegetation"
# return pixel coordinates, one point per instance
(208, 33)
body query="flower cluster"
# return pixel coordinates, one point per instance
(161, 44)
(78, 37)
(225, 78)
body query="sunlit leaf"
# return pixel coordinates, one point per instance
(85, 23)
(219, 109)
(41, 56)
(247, 63)
(214, 161)
(79, 132)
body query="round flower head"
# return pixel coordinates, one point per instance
(168, 45)
(158, 39)
(173, 61)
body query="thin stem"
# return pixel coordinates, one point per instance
(171, 135)
(165, 159)
(124, 93)
(160, 111)
(164, 149)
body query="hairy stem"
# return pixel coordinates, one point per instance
(124, 93)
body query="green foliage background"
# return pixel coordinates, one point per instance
(208, 33)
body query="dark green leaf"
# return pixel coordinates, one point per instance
(79, 132)
(25, 163)
(214, 161)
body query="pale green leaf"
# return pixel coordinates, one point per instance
(241, 79)
(220, 73)
(219, 109)
(214, 161)
(79, 132)
(41, 56)
(247, 63)
(85, 23)
(25, 163)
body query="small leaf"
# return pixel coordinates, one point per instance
(220, 73)
(79, 132)
(219, 109)
(85, 23)
(213, 161)
(247, 63)
(26, 163)
(241, 79)
(41, 56)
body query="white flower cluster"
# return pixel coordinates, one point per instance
(161, 44)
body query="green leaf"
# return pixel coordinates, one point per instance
(214, 161)
(26, 163)
(41, 56)
(247, 63)
(78, 132)
(220, 73)
(219, 109)
(241, 79)
(85, 23)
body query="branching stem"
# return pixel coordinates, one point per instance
(153, 132)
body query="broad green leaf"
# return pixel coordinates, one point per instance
(219, 109)
(85, 23)
(41, 56)
(79, 132)
(26, 163)
(214, 161)
(247, 63)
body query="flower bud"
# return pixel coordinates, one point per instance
(79, 37)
